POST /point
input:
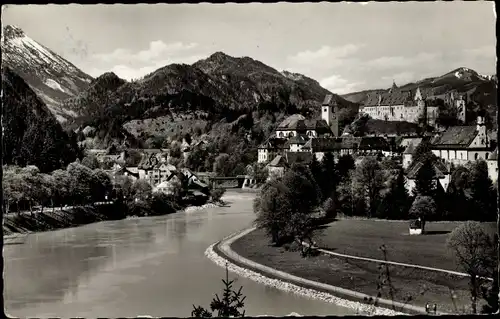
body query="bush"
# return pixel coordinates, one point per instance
(139, 209)
(161, 204)
(329, 208)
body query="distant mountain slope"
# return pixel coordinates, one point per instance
(219, 88)
(479, 88)
(94, 99)
(31, 134)
(51, 77)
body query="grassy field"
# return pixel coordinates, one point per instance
(364, 237)
(423, 286)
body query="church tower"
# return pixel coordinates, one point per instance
(329, 113)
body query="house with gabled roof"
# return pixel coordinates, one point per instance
(153, 169)
(462, 144)
(297, 124)
(320, 146)
(295, 143)
(374, 145)
(442, 174)
(270, 148)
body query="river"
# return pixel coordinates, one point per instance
(148, 266)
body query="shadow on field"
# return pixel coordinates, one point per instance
(437, 232)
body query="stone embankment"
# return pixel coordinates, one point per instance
(222, 254)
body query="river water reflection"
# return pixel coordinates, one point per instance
(148, 266)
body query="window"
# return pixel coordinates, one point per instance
(475, 156)
(487, 155)
(290, 134)
(281, 134)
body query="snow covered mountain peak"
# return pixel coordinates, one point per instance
(53, 78)
(11, 32)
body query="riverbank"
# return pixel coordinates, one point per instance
(65, 218)
(222, 254)
(448, 291)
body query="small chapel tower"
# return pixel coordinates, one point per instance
(329, 113)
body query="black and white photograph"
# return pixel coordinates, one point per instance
(250, 159)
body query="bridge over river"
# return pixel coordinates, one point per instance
(145, 266)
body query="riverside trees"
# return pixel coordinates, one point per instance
(285, 207)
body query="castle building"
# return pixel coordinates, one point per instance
(458, 101)
(399, 105)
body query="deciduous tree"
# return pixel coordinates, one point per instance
(475, 252)
(423, 207)
(369, 179)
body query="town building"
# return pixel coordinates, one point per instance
(270, 148)
(348, 145)
(399, 105)
(462, 144)
(154, 169)
(409, 144)
(294, 132)
(278, 166)
(442, 175)
(493, 165)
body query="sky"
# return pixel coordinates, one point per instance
(346, 47)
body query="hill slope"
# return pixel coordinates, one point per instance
(31, 134)
(51, 77)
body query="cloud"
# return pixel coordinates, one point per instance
(400, 78)
(130, 72)
(157, 49)
(326, 54)
(132, 65)
(391, 62)
(339, 85)
(481, 52)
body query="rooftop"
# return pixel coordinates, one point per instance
(440, 169)
(373, 142)
(455, 136)
(298, 122)
(278, 161)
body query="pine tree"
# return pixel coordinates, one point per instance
(329, 178)
(483, 195)
(315, 167)
(227, 307)
(396, 202)
(344, 165)
(424, 183)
